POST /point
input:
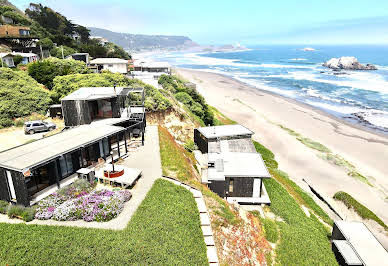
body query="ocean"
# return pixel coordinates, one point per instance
(360, 97)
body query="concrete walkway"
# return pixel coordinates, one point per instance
(206, 228)
(147, 159)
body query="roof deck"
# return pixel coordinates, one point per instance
(224, 131)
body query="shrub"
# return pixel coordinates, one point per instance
(184, 98)
(17, 59)
(3, 206)
(57, 51)
(27, 214)
(20, 96)
(45, 71)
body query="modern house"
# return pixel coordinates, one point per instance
(89, 104)
(7, 60)
(84, 57)
(354, 244)
(33, 171)
(152, 67)
(100, 39)
(231, 167)
(115, 65)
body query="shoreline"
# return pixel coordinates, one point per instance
(377, 132)
(308, 143)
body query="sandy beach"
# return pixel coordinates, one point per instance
(265, 113)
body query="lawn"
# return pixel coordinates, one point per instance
(165, 230)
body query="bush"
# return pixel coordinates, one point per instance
(46, 43)
(57, 51)
(189, 97)
(3, 206)
(27, 214)
(20, 96)
(17, 59)
(45, 71)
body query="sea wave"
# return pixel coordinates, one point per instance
(297, 59)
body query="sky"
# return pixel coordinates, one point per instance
(247, 22)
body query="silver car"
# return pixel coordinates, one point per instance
(32, 127)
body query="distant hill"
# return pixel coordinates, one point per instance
(143, 42)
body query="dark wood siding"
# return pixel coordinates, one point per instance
(115, 107)
(242, 186)
(20, 188)
(201, 141)
(76, 113)
(218, 187)
(4, 193)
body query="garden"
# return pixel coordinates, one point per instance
(78, 201)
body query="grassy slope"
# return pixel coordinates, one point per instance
(303, 240)
(360, 209)
(164, 230)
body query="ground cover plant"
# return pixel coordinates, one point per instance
(80, 201)
(360, 209)
(302, 239)
(165, 230)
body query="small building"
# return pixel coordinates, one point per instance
(152, 67)
(233, 170)
(205, 136)
(11, 31)
(354, 244)
(89, 104)
(100, 39)
(7, 60)
(84, 57)
(115, 65)
(27, 57)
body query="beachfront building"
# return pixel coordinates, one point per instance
(100, 39)
(31, 172)
(354, 244)
(230, 165)
(115, 65)
(149, 72)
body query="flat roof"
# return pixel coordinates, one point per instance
(37, 152)
(95, 93)
(108, 61)
(237, 164)
(347, 251)
(368, 248)
(224, 131)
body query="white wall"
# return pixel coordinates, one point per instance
(116, 68)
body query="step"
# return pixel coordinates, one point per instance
(209, 241)
(212, 254)
(207, 230)
(196, 193)
(204, 219)
(201, 205)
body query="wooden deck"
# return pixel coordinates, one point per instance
(127, 180)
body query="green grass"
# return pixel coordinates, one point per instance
(220, 118)
(174, 163)
(360, 209)
(302, 240)
(165, 230)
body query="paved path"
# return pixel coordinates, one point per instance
(147, 159)
(206, 228)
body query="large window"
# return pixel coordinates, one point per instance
(66, 165)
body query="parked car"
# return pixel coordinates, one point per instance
(32, 127)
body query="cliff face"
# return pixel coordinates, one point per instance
(143, 42)
(347, 62)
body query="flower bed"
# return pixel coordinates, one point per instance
(81, 201)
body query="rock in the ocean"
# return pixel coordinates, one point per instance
(348, 62)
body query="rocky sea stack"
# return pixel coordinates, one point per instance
(348, 62)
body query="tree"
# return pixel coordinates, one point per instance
(46, 43)
(83, 32)
(20, 95)
(57, 51)
(17, 59)
(45, 71)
